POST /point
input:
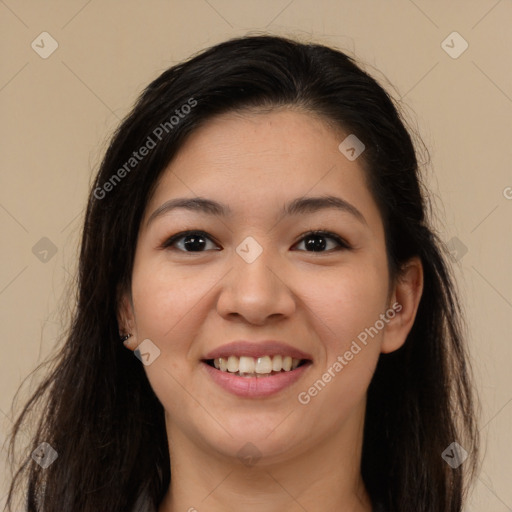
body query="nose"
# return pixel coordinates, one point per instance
(256, 291)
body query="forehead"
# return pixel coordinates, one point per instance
(254, 160)
(283, 133)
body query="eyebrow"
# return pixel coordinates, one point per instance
(298, 206)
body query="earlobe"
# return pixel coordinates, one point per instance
(126, 322)
(405, 301)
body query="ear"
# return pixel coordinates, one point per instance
(126, 319)
(404, 302)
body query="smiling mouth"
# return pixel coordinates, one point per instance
(265, 366)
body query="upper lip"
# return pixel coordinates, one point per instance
(257, 349)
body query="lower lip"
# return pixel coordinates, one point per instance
(255, 387)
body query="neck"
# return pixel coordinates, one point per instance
(327, 477)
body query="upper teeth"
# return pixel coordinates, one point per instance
(258, 365)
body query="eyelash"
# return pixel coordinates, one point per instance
(318, 232)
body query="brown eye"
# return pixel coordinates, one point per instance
(318, 241)
(189, 241)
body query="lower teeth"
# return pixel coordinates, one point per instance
(241, 374)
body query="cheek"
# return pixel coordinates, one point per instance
(166, 302)
(345, 307)
(347, 301)
(167, 308)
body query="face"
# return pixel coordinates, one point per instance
(255, 273)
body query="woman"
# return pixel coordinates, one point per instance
(257, 236)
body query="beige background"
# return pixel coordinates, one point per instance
(58, 112)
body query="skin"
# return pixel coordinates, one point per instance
(188, 303)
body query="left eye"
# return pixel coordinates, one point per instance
(315, 241)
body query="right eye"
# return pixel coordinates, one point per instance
(189, 241)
